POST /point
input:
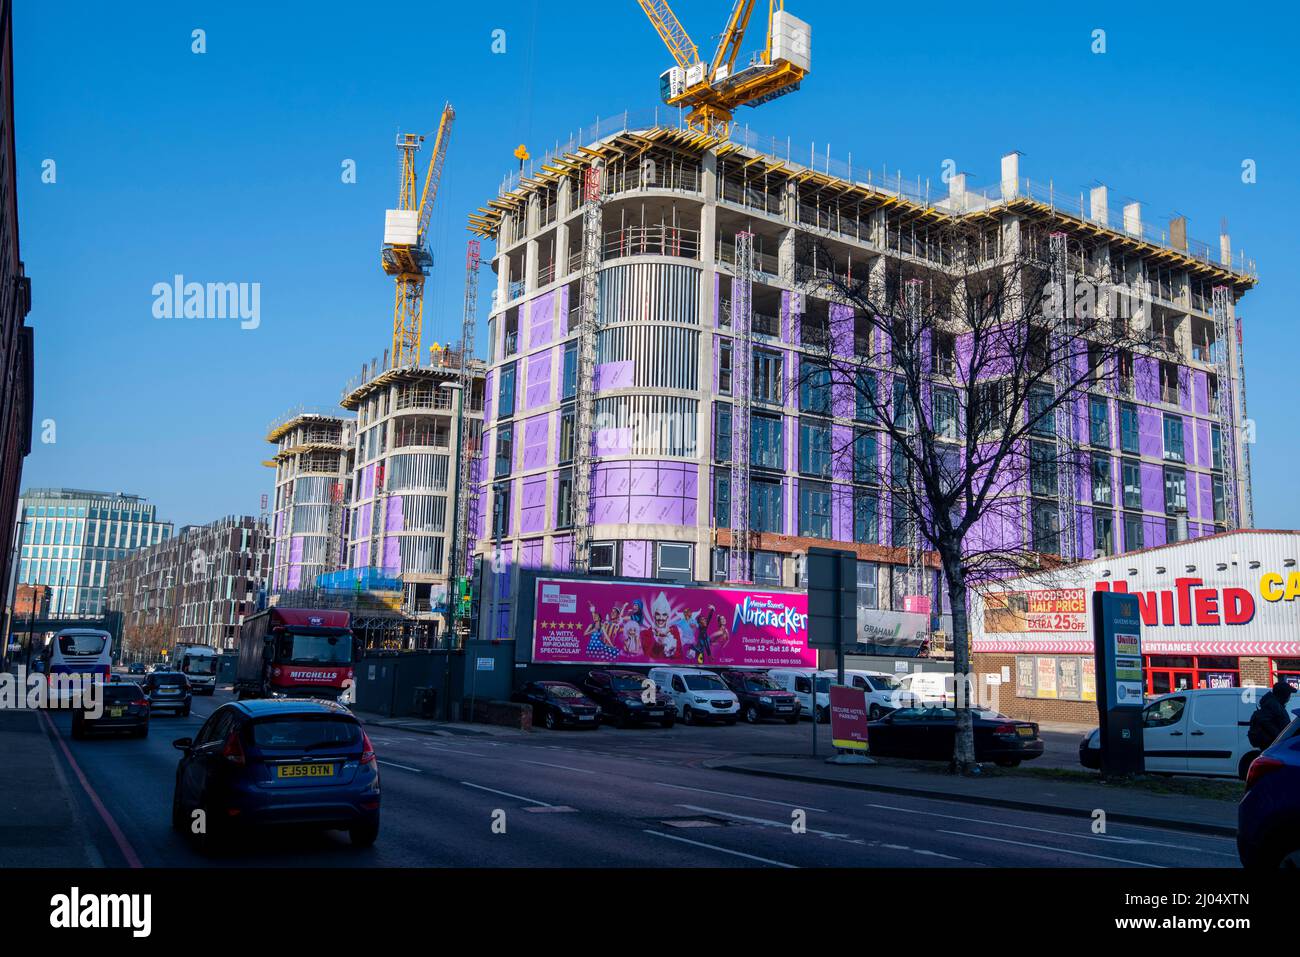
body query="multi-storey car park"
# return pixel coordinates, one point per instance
(611, 411)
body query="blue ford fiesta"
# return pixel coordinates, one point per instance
(277, 761)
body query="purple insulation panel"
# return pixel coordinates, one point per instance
(1151, 440)
(1206, 496)
(535, 442)
(1146, 379)
(613, 441)
(1154, 532)
(561, 551)
(295, 550)
(392, 556)
(841, 323)
(295, 576)
(1200, 392)
(541, 320)
(842, 453)
(393, 514)
(538, 390)
(489, 396)
(530, 553)
(615, 375)
(636, 559)
(842, 513)
(532, 505)
(791, 424)
(1204, 450)
(787, 330)
(484, 517)
(1153, 488)
(562, 322)
(1087, 533)
(1185, 388)
(279, 524)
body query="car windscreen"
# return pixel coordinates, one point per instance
(306, 649)
(824, 685)
(116, 694)
(761, 683)
(704, 683)
(81, 644)
(562, 691)
(201, 666)
(169, 678)
(627, 683)
(882, 683)
(306, 731)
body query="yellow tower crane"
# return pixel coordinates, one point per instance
(712, 91)
(406, 255)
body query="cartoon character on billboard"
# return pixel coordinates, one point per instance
(661, 639)
(709, 633)
(597, 647)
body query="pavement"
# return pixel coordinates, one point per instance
(40, 824)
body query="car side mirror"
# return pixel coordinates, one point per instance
(183, 744)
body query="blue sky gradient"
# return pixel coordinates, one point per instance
(226, 167)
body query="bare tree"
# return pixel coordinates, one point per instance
(971, 361)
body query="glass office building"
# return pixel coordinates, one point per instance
(70, 538)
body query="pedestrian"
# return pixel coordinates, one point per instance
(1271, 716)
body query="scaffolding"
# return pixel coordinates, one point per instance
(588, 324)
(1063, 369)
(334, 540)
(742, 364)
(462, 546)
(1227, 404)
(1247, 496)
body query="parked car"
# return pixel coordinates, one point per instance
(931, 732)
(137, 668)
(557, 704)
(1197, 731)
(622, 698)
(1268, 816)
(124, 708)
(169, 691)
(799, 681)
(697, 694)
(760, 696)
(278, 761)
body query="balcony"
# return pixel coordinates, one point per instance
(652, 241)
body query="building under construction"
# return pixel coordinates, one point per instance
(647, 329)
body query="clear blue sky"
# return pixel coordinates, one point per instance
(225, 167)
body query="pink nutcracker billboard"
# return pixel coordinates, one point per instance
(636, 623)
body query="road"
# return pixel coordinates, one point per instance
(608, 798)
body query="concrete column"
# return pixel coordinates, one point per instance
(1098, 205)
(709, 212)
(531, 258)
(786, 256)
(1225, 249)
(1011, 175)
(1133, 218)
(957, 191)
(561, 249)
(876, 221)
(1178, 232)
(790, 204)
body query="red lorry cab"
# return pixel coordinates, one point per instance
(295, 652)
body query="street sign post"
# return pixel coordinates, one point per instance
(1117, 639)
(832, 577)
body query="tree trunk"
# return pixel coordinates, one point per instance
(963, 757)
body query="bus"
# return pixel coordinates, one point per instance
(77, 651)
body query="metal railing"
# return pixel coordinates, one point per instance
(652, 241)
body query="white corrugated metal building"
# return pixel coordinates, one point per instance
(1223, 610)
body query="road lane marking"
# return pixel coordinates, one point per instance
(784, 825)
(1056, 850)
(723, 850)
(393, 764)
(517, 797)
(566, 767)
(470, 754)
(742, 797)
(1105, 838)
(123, 845)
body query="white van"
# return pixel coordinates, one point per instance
(926, 689)
(800, 681)
(1196, 731)
(697, 694)
(880, 687)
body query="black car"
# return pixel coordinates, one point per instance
(169, 691)
(558, 704)
(622, 697)
(123, 707)
(136, 669)
(761, 697)
(930, 733)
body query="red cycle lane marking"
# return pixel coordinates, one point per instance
(123, 845)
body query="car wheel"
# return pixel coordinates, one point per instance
(873, 713)
(752, 715)
(688, 715)
(548, 719)
(822, 717)
(364, 835)
(1007, 762)
(1246, 761)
